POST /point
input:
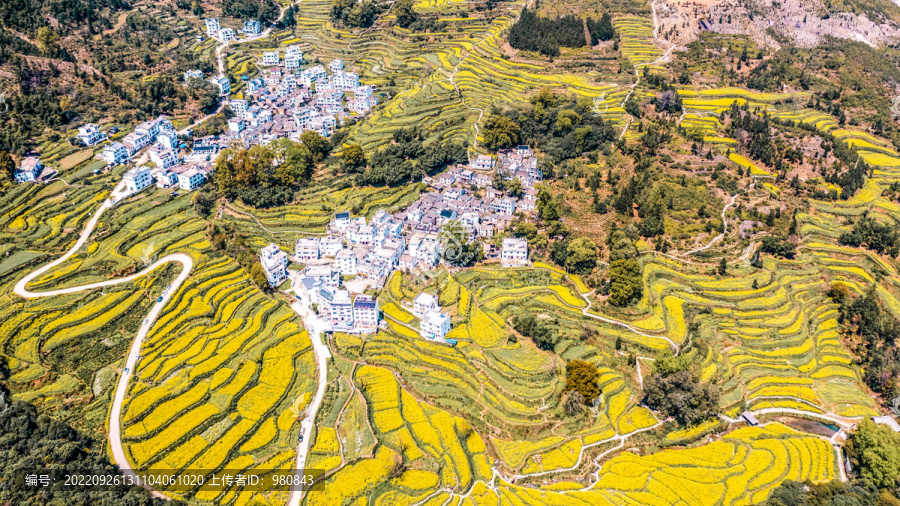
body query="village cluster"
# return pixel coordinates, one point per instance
(358, 254)
(283, 102)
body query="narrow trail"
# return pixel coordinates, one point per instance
(718, 237)
(115, 437)
(585, 310)
(637, 73)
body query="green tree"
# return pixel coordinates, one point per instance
(605, 30)
(582, 377)
(318, 146)
(297, 167)
(258, 275)
(723, 267)
(667, 364)
(405, 13)
(514, 187)
(875, 451)
(353, 158)
(7, 166)
(581, 256)
(546, 205)
(500, 132)
(47, 40)
(625, 283)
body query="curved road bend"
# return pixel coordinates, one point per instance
(115, 438)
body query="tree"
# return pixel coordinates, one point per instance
(318, 146)
(297, 167)
(632, 107)
(7, 166)
(680, 396)
(626, 285)
(546, 204)
(723, 267)
(581, 256)
(258, 275)
(582, 377)
(667, 364)
(455, 247)
(779, 246)
(353, 158)
(47, 40)
(540, 331)
(875, 451)
(500, 132)
(574, 403)
(559, 250)
(406, 15)
(605, 30)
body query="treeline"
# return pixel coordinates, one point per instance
(561, 126)
(545, 35)
(37, 444)
(880, 237)
(266, 176)
(28, 16)
(352, 14)
(675, 390)
(877, 330)
(264, 11)
(406, 159)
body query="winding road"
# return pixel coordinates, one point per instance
(187, 264)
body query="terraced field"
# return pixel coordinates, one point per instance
(220, 370)
(446, 84)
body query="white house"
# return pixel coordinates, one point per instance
(137, 179)
(164, 177)
(407, 262)
(163, 157)
(191, 179)
(212, 27)
(115, 153)
(325, 275)
(223, 83)
(505, 205)
(29, 170)
(342, 221)
(346, 80)
(336, 65)
(251, 27)
(227, 34)
(365, 313)
(346, 262)
(89, 134)
(192, 74)
(483, 162)
(271, 58)
(312, 74)
(239, 106)
(293, 56)
(330, 246)
(341, 311)
(274, 263)
(514, 252)
(424, 303)
(435, 325)
(307, 248)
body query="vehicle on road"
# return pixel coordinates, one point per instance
(159, 299)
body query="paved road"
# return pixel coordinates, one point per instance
(115, 438)
(315, 328)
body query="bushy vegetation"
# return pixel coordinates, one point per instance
(874, 449)
(407, 159)
(831, 493)
(544, 35)
(581, 377)
(539, 330)
(877, 331)
(265, 176)
(674, 391)
(354, 14)
(38, 444)
(778, 246)
(875, 236)
(563, 127)
(264, 11)
(227, 239)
